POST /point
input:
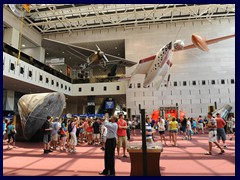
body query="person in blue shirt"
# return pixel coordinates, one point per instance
(109, 155)
(11, 134)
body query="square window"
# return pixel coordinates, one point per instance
(21, 70)
(130, 86)
(194, 83)
(232, 81)
(80, 89)
(139, 85)
(52, 82)
(92, 88)
(65, 87)
(40, 78)
(118, 88)
(30, 73)
(105, 88)
(47, 80)
(57, 84)
(61, 86)
(184, 83)
(203, 82)
(175, 83)
(222, 81)
(12, 67)
(213, 81)
(69, 89)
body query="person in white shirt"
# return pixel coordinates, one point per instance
(189, 129)
(161, 129)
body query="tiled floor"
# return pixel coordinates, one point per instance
(186, 159)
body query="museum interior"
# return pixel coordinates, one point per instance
(82, 65)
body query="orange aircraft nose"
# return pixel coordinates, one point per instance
(199, 42)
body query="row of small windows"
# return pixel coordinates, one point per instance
(204, 82)
(104, 88)
(12, 67)
(194, 83)
(219, 100)
(180, 92)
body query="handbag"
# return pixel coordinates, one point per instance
(13, 131)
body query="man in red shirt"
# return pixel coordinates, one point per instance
(121, 135)
(220, 130)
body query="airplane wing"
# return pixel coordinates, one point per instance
(144, 65)
(211, 41)
(82, 53)
(158, 82)
(78, 52)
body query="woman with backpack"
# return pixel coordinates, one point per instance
(11, 134)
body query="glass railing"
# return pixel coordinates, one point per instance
(28, 59)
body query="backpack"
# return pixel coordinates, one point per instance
(13, 131)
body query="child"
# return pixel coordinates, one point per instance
(63, 136)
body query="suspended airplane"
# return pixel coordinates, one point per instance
(157, 66)
(88, 57)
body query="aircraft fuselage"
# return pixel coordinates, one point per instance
(160, 65)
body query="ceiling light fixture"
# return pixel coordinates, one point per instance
(23, 45)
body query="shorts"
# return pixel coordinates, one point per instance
(200, 126)
(212, 136)
(122, 141)
(189, 132)
(46, 138)
(96, 136)
(54, 137)
(161, 132)
(175, 131)
(104, 138)
(183, 128)
(221, 134)
(89, 133)
(73, 139)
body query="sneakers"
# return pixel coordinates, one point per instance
(45, 151)
(102, 148)
(225, 146)
(49, 150)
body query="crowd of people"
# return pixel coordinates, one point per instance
(109, 133)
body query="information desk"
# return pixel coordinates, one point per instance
(153, 158)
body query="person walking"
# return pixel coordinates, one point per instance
(212, 135)
(109, 153)
(220, 130)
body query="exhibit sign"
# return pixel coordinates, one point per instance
(109, 104)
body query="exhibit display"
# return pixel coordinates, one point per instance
(34, 109)
(154, 151)
(157, 66)
(88, 57)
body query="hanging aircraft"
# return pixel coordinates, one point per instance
(157, 66)
(87, 57)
